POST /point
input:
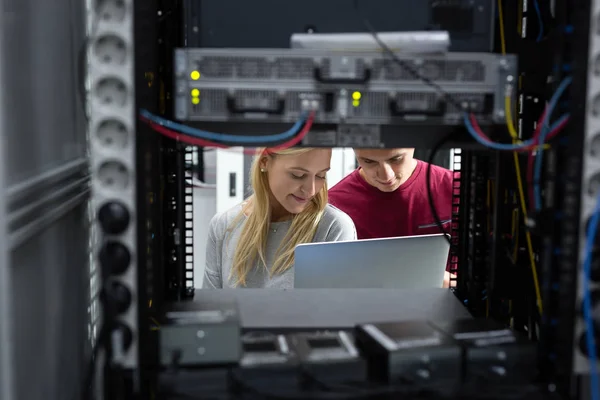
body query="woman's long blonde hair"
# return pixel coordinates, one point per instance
(252, 243)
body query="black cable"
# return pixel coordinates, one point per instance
(227, 144)
(91, 372)
(103, 341)
(109, 314)
(413, 71)
(440, 143)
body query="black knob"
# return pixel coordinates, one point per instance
(113, 217)
(114, 258)
(126, 334)
(118, 295)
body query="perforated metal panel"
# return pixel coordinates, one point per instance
(44, 190)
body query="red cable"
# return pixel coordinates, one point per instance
(532, 146)
(297, 139)
(207, 143)
(531, 158)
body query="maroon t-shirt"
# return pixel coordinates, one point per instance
(403, 212)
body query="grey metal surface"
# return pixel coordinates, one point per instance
(41, 84)
(412, 262)
(7, 383)
(50, 311)
(200, 333)
(44, 274)
(337, 308)
(405, 42)
(36, 203)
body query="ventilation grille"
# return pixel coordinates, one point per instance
(256, 68)
(438, 70)
(303, 68)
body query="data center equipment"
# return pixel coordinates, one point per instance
(492, 352)
(401, 358)
(196, 334)
(268, 360)
(524, 229)
(413, 351)
(361, 99)
(306, 357)
(247, 92)
(366, 98)
(330, 355)
(263, 348)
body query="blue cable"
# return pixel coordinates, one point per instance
(542, 139)
(224, 137)
(490, 144)
(587, 300)
(540, 21)
(537, 170)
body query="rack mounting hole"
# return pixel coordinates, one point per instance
(113, 175)
(110, 49)
(112, 91)
(112, 134)
(112, 10)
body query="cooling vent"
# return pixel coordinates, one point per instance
(442, 70)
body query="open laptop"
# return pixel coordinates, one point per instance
(392, 263)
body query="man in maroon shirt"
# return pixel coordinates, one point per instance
(387, 195)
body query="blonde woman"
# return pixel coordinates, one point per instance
(252, 245)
